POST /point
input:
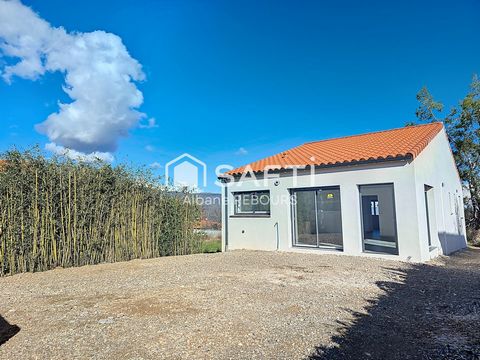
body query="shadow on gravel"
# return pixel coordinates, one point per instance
(7, 331)
(432, 312)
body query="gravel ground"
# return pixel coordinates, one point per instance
(246, 305)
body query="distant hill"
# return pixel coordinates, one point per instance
(211, 204)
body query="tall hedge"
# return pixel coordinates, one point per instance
(56, 212)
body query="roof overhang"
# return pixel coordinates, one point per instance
(307, 169)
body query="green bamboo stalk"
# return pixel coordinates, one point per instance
(62, 213)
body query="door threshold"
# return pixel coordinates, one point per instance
(312, 247)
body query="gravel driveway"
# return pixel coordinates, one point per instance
(245, 305)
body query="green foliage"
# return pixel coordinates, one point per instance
(56, 212)
(211, 246)
(208, 243)
(428, 106)
(463, 128)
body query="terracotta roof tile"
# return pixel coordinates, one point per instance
(377, 146)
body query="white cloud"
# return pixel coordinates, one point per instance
(76, 155)
(156, 165)
(99, 76)
(150, 148)
(241, 151)
(150, 124)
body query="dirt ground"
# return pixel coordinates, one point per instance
(246, 305)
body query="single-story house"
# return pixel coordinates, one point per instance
(394, 194)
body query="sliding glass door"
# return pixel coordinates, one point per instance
(306, 220)
(317, 219)
(329, 217)
(378, 219)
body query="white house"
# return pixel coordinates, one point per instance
(393, 194)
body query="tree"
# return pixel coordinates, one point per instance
(463, 128)
(428, 106)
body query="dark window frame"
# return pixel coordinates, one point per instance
(253, 213)
(394, 203)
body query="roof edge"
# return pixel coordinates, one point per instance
(413, 153)
(373, 132)
(406, 157)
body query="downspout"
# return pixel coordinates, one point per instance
(277, 235)
(225, 215)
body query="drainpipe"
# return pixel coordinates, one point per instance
(277, 235)
(225, 216)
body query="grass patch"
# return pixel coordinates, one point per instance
(211, 246)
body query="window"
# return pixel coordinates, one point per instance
(458, 215)
(374, 207)
(252, 203)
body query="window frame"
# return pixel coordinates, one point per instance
(253, 213)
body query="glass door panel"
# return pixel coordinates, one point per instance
(306, 222)
(317, 217)
(329, 217)
(378, 218)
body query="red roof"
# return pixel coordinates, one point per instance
(401, 143)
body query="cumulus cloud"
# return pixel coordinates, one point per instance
(99, 76)
(241, 151)
(149, 124)
(156, 165)
(77, 155)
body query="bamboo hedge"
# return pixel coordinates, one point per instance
(57, 212)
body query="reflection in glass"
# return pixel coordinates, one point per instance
(317, 217)
(378, 218)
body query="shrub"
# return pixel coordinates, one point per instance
(57, 212)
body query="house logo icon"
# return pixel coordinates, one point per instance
(188, 171)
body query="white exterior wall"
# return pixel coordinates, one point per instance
(261, 233)
(435, 167)
(275, 232)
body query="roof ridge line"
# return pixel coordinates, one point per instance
(369, 133)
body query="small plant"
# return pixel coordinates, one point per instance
(473, 237)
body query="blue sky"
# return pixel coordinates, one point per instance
(260, 75)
